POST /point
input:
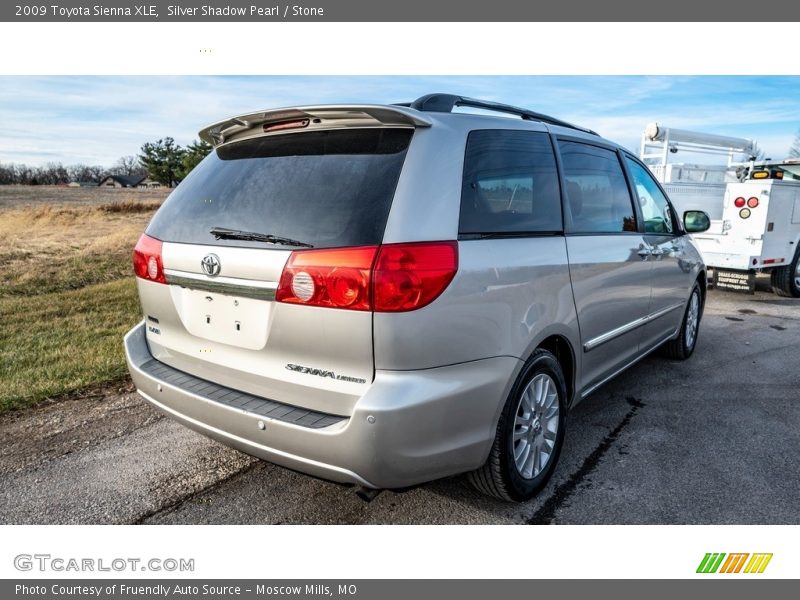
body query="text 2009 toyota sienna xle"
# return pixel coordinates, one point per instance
(385, 295)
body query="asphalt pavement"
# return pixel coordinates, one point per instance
(713, 440)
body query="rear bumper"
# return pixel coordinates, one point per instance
(727, 260)
(408, 428)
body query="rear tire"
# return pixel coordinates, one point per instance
(786, 280)
(530, 433)
(683, 346)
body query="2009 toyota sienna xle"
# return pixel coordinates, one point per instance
(385, 295)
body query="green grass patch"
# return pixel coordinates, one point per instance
(67, 295)
(58, 342)
(45, 274)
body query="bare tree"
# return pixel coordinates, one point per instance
(794, 150)
(58, 174)
(758, 153)
(128, 166)
(86, 173)
(23, 174)
(54, 174)
(7, 174)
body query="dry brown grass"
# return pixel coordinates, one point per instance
(66, 287)
(48, 248)
(128, 207)
(20, 196)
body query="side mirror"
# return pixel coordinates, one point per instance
(696, 221)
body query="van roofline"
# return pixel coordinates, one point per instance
(445, 103)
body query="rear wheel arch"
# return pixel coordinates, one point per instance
(557, 344)
(560, 347)
(501, 475)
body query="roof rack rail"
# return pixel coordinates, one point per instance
(447, 102)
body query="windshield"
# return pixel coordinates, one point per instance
(326, 188)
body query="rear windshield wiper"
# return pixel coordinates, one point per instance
(221, 233)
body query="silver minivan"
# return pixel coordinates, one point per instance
(383, 295)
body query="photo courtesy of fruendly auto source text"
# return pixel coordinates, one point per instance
(479, 299)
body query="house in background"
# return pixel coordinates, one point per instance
(121, 181)
(148, 184)
(76, 184)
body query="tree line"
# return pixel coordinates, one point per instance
(163, 161)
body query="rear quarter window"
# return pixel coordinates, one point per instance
(327, 188)
(510, 184)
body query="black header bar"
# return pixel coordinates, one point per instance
(390, 589)
(402, 11)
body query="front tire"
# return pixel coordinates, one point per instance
(530, 433)
(786, 280)
(683, 346)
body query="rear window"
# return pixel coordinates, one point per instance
(325, 188)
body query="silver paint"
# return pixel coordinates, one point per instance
(424, 389)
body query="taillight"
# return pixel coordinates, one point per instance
(739, 202)
(388, 278)
(752, 202)
(147, 262)
(410, 276)
(336, 278)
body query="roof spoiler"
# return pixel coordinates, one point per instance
(311, 117)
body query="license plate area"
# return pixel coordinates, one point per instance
(233, 320)
(735, 281)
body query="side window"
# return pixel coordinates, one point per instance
(510, 183)
(655, 208)
(598, 200)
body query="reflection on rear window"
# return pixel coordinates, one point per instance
(326, 188)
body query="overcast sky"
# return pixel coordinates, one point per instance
(95, 120)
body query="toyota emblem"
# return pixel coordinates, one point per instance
(210, 264)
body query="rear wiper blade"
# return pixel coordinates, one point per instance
(221, 233)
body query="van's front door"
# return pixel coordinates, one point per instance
(672, 277)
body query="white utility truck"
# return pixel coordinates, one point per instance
(760, 232)
(754, 206)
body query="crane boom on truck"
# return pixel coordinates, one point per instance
(695, 186)
(659, 142)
